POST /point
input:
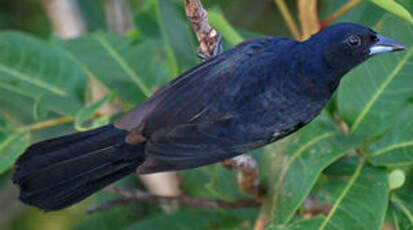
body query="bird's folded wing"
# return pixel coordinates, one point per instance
(193, 145)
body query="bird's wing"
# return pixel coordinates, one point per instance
(193, 145)
(211, 116)
(208, 92)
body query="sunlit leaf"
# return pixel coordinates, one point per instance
(32, 68)
(394, 8)
(299, 163)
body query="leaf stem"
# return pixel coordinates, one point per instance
(344, 9)
(292, 26)
(48, 123)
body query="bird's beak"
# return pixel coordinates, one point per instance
(385, 44)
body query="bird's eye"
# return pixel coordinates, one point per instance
(374, 38)
(354, 40)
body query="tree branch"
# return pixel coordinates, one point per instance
(248, 180)
(209, 39)
(128, 195)
(307, 12)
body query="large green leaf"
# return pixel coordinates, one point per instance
(12, 144)
(394, 8)
(300, 162)
(395, 148)
(358, 198)
(366, 13)
(372, 95)
(47, 74)
(197, 219)
(177, 35)
(134, 70)
(308, 224)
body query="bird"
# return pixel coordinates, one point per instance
(244, 98)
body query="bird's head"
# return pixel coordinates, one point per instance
(345, 45)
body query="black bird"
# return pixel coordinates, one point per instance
(247, 97)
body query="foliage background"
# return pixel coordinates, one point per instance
(363, 176)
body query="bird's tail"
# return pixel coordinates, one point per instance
(57, 173)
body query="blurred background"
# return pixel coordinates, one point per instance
(77, 64)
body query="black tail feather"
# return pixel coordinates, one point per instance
(57, 173)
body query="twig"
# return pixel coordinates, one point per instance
(248, 181)
(307, 12)
(109, 204)
(52, 123)
(292, 26)
(209, 39)
(261, 221)
(344, 9)
(128, 195)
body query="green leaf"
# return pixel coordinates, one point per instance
(87, 113)
(146, 23)
(195, 219)
(305, 155)
(403, 198)
(394, 8)
(11, 146)
(308, 224)
(399, 219)
(222, 25)
(177, 35)
(119, 64)
(361, 201)
(366, 13)
(212, 181)
(395, 148)
(405, 207)
(32, 68)
(371, 96)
